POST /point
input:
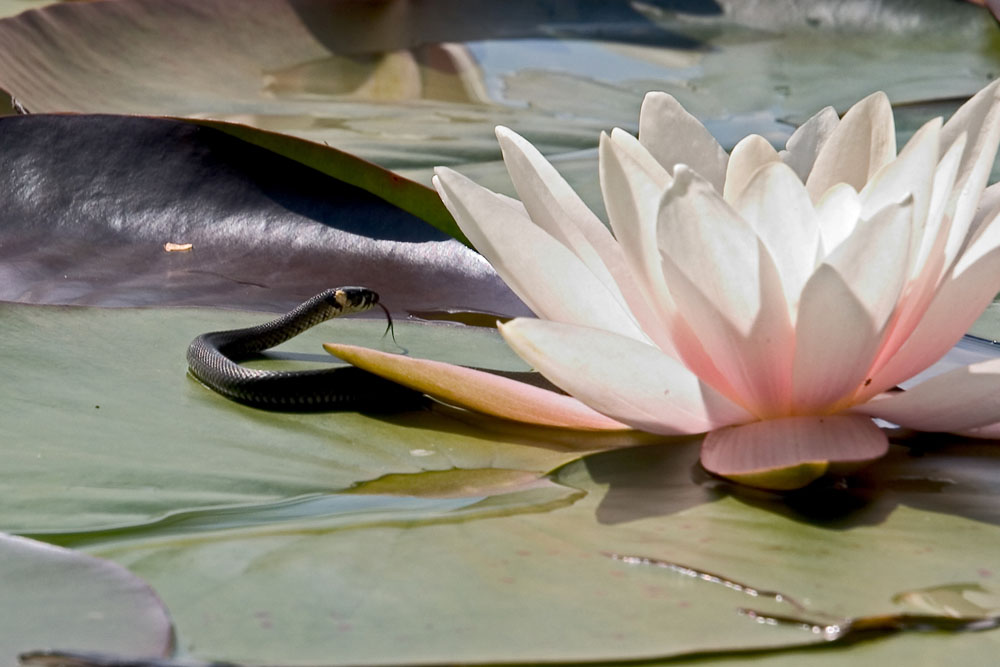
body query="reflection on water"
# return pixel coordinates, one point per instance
(950, 608)
(955, 600)
(422, 498)
(443, 72)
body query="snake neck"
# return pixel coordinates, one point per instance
(332, 303)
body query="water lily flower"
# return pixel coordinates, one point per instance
(773, 300)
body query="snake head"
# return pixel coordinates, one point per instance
(351, 299)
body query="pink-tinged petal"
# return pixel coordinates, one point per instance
(835, 343)
(845, 308)
(728, 289)
(673, 136)
(804, 144)
(631, 382)
(838, 212)
(789, 453)
(926, 270)
(862, 143)
(544, 273)
(749, 155)
(960, 399)
(979, 119)
(477, 390)
(960, 300)
(779, 210)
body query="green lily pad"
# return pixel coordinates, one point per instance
(59, 599)
(319, 590)
(104, 428)
(295, 538)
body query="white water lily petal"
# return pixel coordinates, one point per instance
(555, 207)
(630, 146)
(989, 208)
(930, 261)
(804, 446)
(962, 297)
(546, 275)
(838, 212)
(776, 205)
(626, 380)
(727, 288)
(749, 155)
(804, 144)
(875, 259)
(927, 268)
(631, 197)
(979, 118)
(835, 343)
(963, 398)
(673, 136)
(911, 174)
(631, 192)
(845, 308)
(861, 144)
(632, 184)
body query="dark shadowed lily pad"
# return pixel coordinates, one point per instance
(89, 202)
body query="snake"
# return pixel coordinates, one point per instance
(213, 360)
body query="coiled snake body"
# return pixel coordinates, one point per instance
(212, 360)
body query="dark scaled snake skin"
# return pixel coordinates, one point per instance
(212, 359)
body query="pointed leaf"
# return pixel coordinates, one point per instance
(477, 390)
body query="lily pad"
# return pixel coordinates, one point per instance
(59, 599)
(104, 428)
(316, 590)
(85, 220)
(417, 87)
